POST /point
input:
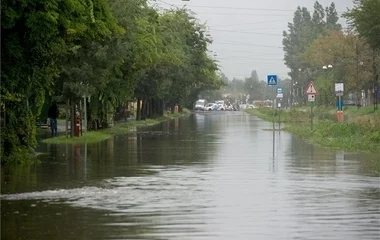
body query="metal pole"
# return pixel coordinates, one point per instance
(67, 118)
(291, 93)
(375, 78)
(340, 103)
(85, 112)
(274, 98)
(357, 75)
(311, 117)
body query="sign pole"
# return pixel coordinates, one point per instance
(272, 80)
(339, 89)
(311, 116)
(273, 104)
(311, 91)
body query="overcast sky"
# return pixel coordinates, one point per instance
(247, 34)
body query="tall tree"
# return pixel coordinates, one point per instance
(365, 18)
(35, 35)
(332, 17)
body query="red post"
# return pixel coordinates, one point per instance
(77, 126)
(340, 115)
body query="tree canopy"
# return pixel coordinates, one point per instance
(315, 40)
(110, 51)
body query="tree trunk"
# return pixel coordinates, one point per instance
(67, 117)
(157, 107)
(73, 113)
(151, 108)
(172, 106)
(138, 110)
(146, 103)
(158, 104)
(143, 110)
(148, 112)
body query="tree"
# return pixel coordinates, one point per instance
(332, 18)
(366, 19)
(300, 35)
(351, 60)
(35, 35)
(253, 87)
(115, 51)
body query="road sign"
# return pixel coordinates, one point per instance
(339, 88)
(272, 80)
(311, 89)
(311, 98)
(279, 90)
(280, 95)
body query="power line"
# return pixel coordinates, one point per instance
(259, 60)
(233, 31)
(233, 8)
(242, 14)
(242, 8)
(249, 52)
(250, 23)
(247, 44)
(254, 29)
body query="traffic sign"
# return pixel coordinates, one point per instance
(272, 80)
(311, 98)
(339, 88)
(280, 95)
(311, 89)
(279, 90)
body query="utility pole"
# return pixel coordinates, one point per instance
(357, 75)
(291, 93)
(375, 79)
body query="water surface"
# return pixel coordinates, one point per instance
(218, 175)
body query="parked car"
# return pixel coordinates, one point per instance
(220, 107)
(211, 107)
(200, 104)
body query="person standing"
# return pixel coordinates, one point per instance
(53, 115)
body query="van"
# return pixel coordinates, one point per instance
(200, 104)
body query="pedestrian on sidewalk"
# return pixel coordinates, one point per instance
(53, 115)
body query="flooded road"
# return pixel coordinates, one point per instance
(209, 176)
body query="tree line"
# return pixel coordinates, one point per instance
(318, 48)
(111, 51)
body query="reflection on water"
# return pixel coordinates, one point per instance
(211, 176)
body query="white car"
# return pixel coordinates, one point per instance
(220, 107)
(211, 107)
(200, 104)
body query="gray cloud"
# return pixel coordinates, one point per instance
(248, 34)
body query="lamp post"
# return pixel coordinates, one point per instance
(339, 93)
(293, 87)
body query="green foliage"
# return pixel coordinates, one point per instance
(304, 29)
(356, 134)
(366, 19)
(111, 51)
(119, 128)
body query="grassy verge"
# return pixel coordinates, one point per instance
(117, 129)
(360, 132)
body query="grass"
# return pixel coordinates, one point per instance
(360, 132)
(346, 135)
(117, 129)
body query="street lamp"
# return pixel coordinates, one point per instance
(340, 114)
(327, 67)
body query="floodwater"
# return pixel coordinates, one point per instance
(221, 175)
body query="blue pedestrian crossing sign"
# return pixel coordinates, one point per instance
(279, 90)
(272, 80)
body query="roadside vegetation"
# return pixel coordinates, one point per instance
(360, 130)
(110, 52)
(118, 129)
